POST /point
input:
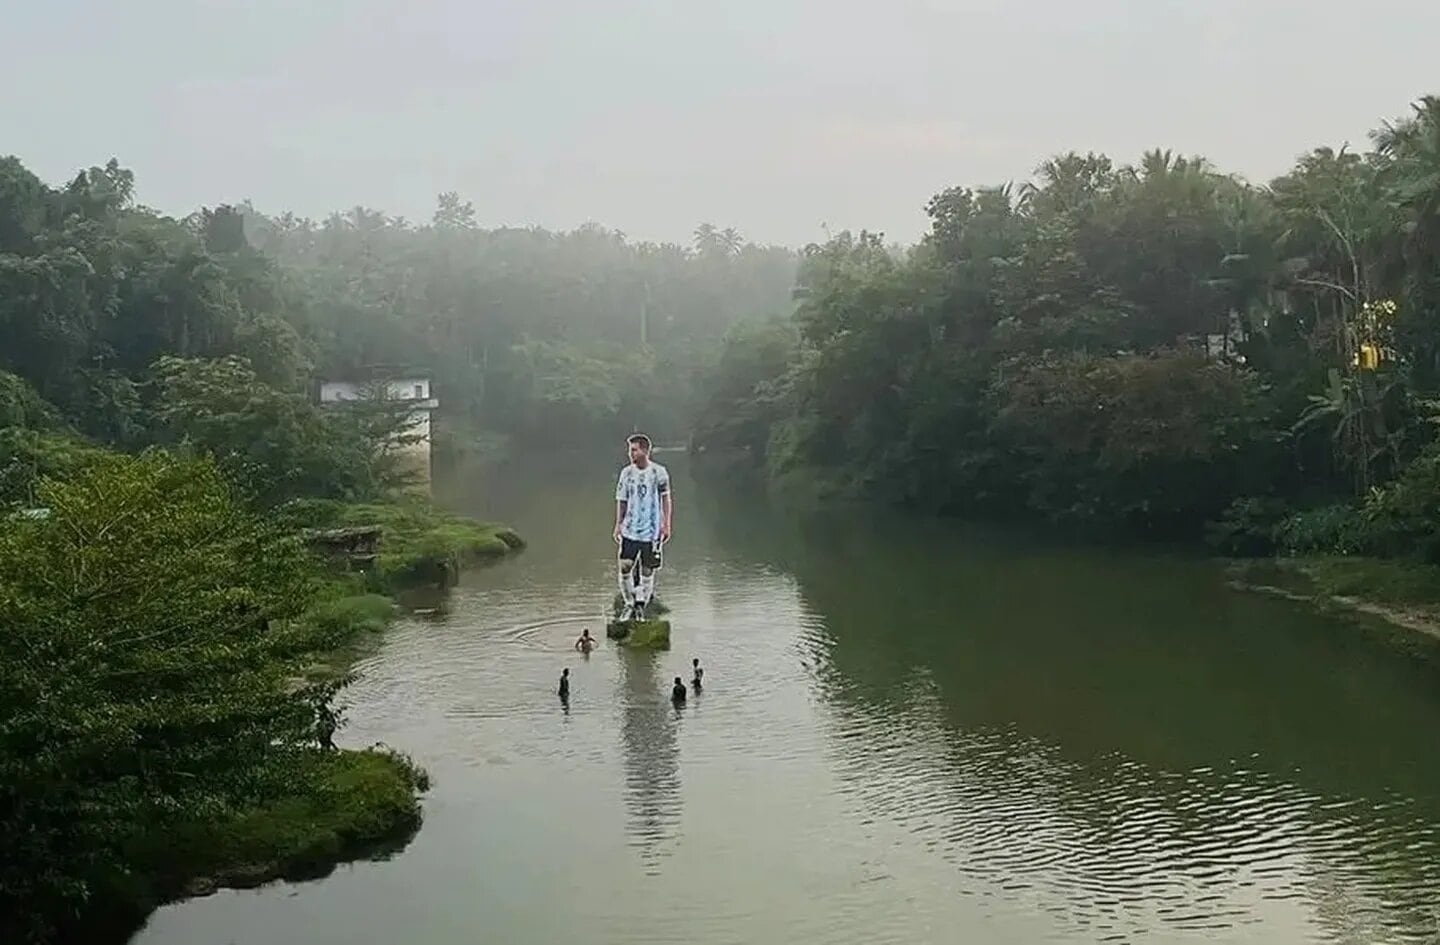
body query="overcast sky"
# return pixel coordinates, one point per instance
(773, 116)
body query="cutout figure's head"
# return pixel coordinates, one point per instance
(639, 449)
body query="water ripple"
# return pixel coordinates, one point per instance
(829, 788)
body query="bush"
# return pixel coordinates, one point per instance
(1163, 441)
(152, 637)
(1248, 528)
(345, 617)
(1332, 529)
(421, 544)
(21, 406)
(28, 456)
(1404, 517)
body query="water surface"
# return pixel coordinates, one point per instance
(910, 732)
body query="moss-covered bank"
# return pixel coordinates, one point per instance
(419, 543)
(345, 805)
(1404, 596)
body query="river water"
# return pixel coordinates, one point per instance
(910, 732)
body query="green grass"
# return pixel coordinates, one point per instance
(350, 615)
(346, 805)
(1396, 601)
(360, 803)
(419, 544)
(1380, 581)
(1385, 582)
(646, 634)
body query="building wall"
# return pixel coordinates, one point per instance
(414, 390)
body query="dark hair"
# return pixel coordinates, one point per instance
(640, 438)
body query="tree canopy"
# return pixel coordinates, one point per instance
(1126, 344)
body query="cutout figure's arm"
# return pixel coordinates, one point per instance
(667, 504)
(620, 504)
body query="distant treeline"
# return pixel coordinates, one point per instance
(1158, 347)
(530, 334)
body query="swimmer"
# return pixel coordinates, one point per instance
(586, 643)
(699, 681)
(678, 693)
(565, 684)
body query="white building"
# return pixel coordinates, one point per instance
(411, 389)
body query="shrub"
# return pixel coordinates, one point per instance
(1248, 528)
(151, 637)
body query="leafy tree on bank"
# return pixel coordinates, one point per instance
(152, 630)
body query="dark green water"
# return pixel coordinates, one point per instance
(910, 733)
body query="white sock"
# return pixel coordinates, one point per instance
(627, 587)
(647, 587)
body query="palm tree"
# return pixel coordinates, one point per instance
(731, 241)
(1409, 175)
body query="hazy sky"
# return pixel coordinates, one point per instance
(773, 116)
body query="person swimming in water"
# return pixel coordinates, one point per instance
(586, 643)
(565, 684)
(678, 693)
(699, 681)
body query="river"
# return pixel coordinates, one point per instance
(910, 732)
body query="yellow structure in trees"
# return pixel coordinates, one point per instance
(1372, 328)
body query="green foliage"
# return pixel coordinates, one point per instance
(152, 633)
(274, 445)
(529, 333)
(1393, 583)
(28, 456)
(1248, 528)
(21, 406)
(419, 544)
(1135, 346)
(641, 634)
(1155, 439)
(744, 397)
(1331, 529)
(350, 615)
(346, 804)
(533, 334)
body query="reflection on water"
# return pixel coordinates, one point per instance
(910, 733)
(651, 756)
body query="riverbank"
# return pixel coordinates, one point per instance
(346, 805)
(419, 544)
(219, 768)
(343, 806)
(1402, 595)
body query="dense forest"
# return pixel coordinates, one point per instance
(1160, 348)
(528, 334)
